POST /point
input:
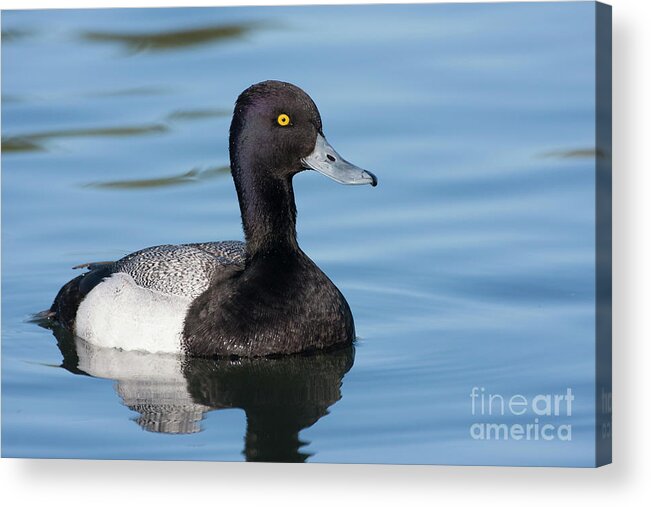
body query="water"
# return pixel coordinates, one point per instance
(470, 265)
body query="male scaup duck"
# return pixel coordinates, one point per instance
(259, 298)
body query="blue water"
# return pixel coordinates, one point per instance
(470, 265)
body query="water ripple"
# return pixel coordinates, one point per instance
(192, 176)
(136, 42)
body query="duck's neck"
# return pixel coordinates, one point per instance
(268, 211)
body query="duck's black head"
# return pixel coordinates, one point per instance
(276, 133)
(274, 125)
(277, 129)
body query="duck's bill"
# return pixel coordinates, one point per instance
(328, 162)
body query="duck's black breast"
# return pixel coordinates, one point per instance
(282, 304)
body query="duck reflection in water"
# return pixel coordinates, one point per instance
(280, 396)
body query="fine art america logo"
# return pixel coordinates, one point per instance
(519, 417)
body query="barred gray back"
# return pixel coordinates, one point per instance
(182, 270)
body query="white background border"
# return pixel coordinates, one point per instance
(627, 481)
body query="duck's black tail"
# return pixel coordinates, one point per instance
(65, 305)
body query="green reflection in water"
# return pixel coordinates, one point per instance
(34, 142)
(19, 144)
(192, 176)
(12, 35)
(197, 114)
(132, 92)
(576, 153)
(11, 99)
(170, 40)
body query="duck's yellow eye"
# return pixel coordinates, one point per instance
(283, 120)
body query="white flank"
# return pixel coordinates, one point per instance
(118, 313)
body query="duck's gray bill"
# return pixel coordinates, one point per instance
(328, 162)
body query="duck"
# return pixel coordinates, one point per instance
(257, 298)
